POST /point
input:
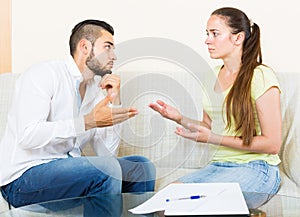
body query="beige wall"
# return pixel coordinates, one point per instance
(41, 28)
(5, 36)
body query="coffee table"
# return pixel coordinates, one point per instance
(118, 205)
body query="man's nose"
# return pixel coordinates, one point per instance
(113, 55)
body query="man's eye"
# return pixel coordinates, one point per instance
(107, 47)
(215, 34)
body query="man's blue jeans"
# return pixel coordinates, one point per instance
(80, 176)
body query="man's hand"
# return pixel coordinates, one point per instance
(102, 115)
(111, 83)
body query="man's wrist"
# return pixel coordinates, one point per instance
(89, 122)
(179, 119)
(110, 105)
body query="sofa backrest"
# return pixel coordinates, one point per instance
(168, 150)
(290, 104)
(7, 84)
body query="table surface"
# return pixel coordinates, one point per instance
(118, 205)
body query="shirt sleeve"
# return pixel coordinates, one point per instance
(106, 141)
(35, 92)
(263, 79)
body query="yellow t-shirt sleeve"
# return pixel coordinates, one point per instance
(263, 79)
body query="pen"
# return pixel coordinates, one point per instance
(186, 198)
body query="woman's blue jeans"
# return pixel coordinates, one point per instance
(258, 180)
(80, 176)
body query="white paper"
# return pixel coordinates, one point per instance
(220, 198)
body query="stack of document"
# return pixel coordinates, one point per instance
(201, 199)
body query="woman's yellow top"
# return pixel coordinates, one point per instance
(263, 79)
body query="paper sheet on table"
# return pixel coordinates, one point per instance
(221, 198)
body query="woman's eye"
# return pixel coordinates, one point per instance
(107, 47)
(214, 34)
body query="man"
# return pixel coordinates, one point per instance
(57, 109)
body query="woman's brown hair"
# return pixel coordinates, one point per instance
(238, 101)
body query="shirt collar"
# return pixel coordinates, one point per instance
(73, 68)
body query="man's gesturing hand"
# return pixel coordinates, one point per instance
(102, 115)
(111, 83)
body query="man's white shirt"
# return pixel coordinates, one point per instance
(45, 122)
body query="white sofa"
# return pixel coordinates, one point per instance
(153, 137)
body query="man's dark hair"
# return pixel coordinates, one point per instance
(88, 29)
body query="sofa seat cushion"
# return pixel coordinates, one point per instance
(3, 204)
(288, 187)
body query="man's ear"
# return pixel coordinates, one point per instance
(85, 46)
(239, 38)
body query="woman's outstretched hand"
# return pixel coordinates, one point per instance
(194, 132)
(166, 111)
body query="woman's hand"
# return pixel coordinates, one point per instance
(166, 111)
(198, 133)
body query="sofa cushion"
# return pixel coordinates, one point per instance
(175, 157)
(290, 101)
(7, 84)
(3, 204)
(288, 187)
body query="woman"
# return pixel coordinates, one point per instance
(246, 123)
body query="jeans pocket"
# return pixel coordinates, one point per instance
(277, 180)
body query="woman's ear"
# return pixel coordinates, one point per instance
(239, 38)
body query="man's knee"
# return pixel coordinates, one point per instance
(107, 165)
(137, 167)
(108, 179)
